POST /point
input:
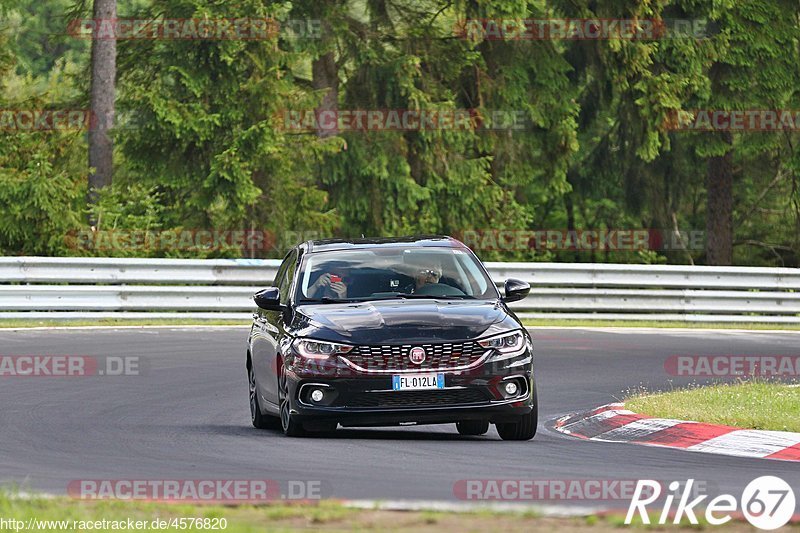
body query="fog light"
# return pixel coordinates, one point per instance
(511, 388)
(316, 395)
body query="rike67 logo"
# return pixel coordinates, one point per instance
(767, 502)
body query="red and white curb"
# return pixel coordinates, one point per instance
(614, 423)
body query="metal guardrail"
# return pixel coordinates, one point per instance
(36, 287)
(112, 270)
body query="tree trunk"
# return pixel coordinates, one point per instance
(719, 207)
(325, 75)
(104, 69)
(569, 206)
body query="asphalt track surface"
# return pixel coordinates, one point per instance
(186, 417)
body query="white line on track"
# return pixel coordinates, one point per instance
(556, 511)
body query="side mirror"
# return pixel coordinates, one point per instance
(268, 299)
(516, 290)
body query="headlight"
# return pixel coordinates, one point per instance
(319, 349)
(504, 343)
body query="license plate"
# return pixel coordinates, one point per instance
(417, 381)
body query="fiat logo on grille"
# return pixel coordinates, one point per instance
(417, 355)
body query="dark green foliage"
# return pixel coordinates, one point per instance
(200, 142)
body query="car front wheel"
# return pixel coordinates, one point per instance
(524, 427)
(289, 423)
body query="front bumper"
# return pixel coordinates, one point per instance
(363, 399)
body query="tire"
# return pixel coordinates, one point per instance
(259, 420)
(473, 427)
(289, 424)
(524, 427)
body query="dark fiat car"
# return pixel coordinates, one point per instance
(377, 332)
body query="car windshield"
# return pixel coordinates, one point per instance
(391, 273)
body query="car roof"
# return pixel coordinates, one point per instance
(327, 245)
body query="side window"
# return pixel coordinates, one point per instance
(476, 280)
(281, 271)
(288, 275)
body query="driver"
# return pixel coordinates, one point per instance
(425, 275)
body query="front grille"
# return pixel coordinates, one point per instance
(426, 398)
(394, 357)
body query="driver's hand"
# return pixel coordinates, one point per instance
(318, 286)
(339, 288)
(322, 281)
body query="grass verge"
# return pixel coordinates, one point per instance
(319, 516)
(754, 405)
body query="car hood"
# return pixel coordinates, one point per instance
(401, 320)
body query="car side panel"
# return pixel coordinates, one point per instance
(264, 349)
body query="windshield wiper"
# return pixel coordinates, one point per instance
(407, 296)
(441, 297)
(328, 300)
